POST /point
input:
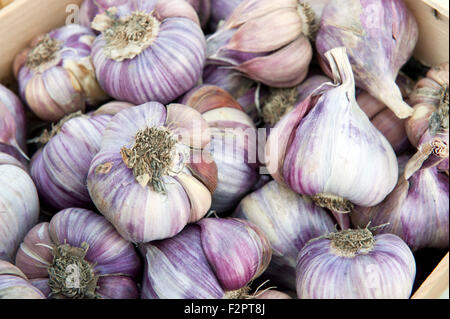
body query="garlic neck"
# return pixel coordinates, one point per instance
(44, 54)
(70, 275)
(332, 202)
(150, 157)
(308, 17)
(348, 242)
(439, 148)
(126, 37)
(280, 102)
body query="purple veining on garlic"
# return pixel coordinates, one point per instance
(289, 220)
(384, 271)
(227, 254)
(15, 285)
(221, 10)
(112, 259)
(380, 37)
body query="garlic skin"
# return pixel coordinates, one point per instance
(60, 167)
(266, 40)
(334, 153)
(55, 74)
(13, 127)
(233, 144)
(417, 210)
(19, 205)
(15, 285)
(151, 175)
(289, 221)
(157, 63)
(374, 267)
(358, 25)
(77, 237)
(214, 258)
(273, 294)
(221, 10)
(203, 9)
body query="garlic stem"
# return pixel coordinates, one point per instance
(280, 102)
(309, 26)
(439, 119)
(240, 293)
(334, 203)
(348, 242)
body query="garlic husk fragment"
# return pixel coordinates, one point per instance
(19, 205)
(215, 258)
(289, 221)
(233, 144)
(380, 37)
(56, 75)
(15, 285)
(151, 175)
(266, 40)
(13, 127)
(334, 153)
(417, 210)
(148, 50)
(354, 264)
(79, 255)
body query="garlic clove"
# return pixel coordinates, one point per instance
(282, 65)
(272, 294)
(117, 287)
(204, 168)
(112, 108)
(175, 8)
(209, 97)
(225, 117)
(235, 262)
(7, 268)
(199, 196)
(248, 39)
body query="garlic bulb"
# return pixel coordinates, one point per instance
(79, 255)
(148, 50)
(221, 10)
(380, 37)
(151, 175)
(289, 221)
(266, 40)
(417, 210)
(55, 74)
(233, 144)
(60, 167)
(354, 264)
(214, 258)
(15, 285)
(334, 153)
(19, 205)
(12, 120)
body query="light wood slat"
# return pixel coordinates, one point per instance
(436, 285)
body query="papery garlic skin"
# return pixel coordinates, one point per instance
(265, 40)
(380, 37)
(55, 74)
(12, 114)
(289, 221)
(15, 285)
(334, 152)
(221, 10)
(386, 270)
(113, 263)
(19, 205)
(227, 254)
(143, 208)
(233, 144)
(162, 62)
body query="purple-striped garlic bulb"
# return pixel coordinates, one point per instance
(19, 205)
(334, 153)
(417, 210)
(90, 8)
(221, 10)
(355, 264)
(148, 50)
(55, 74)
(248, 93)
(429, 121)
(11, 151)
(60, 167)
(279, 102)
(380, 37)
(266, 40)
(15, 285)
(214, 258)
(233, 144)
(151, 175)
(289, 221)
(392, 127)
(79, 255)
(13, 129)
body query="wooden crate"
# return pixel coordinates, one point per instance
(21, 20)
